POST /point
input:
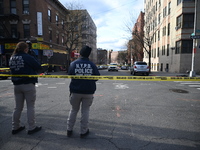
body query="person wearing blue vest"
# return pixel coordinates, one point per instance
(21, 63)
(81, 91)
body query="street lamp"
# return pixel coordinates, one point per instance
(192, 72)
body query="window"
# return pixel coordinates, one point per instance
(187, 46)
(1, 7)
(1, 32)
(25, 6)
(169, 8)
(158, 35)
(179, 1)
(164, 31)
(179, 21)
(156, 6)
(63, 25)
(164, 12)
(159, 17)
(50, 35)
(168, 29)
(14, 31)
(158, 52)
(167, 49)
(178, 47)
(163, 50)
(26, 30)
(188, 20)
(57, 38)
(57, 20)
(185, 21)
(49, 15)
(63, 40)
(184, 46)
(84, 36)
(13, 9)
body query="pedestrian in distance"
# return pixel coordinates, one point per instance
(21, 63)
(81, 91)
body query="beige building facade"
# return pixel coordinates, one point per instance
(169, 24)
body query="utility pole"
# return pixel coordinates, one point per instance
(192, 72)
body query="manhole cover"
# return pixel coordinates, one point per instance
(178, 90)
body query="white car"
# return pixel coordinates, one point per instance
(140, 67)
(113, 67)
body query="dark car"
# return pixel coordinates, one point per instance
(124, 67)
(4, 70)
(140, 67)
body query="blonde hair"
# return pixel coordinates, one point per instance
(20, 47)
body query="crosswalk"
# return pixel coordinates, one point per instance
(192, 84)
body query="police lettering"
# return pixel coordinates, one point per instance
(83, 69)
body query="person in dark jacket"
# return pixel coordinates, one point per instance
(81, 91)
(21, 63)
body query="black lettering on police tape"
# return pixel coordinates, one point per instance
(121, 78)
(110, 77)
(161, 78)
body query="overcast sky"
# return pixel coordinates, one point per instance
(110, 17)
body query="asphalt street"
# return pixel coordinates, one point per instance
(125, 115)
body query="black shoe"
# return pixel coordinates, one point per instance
(85, 134)
(69, 133)
(18, 130)
(34, 130)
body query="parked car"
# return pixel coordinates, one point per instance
(4, 70)
(139, 67)
(124, 67)
(113, 67)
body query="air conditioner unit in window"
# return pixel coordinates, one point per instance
(26, 12)
(177, 27)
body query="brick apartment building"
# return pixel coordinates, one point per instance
(135, 47)
(43, 22)
(102, 56)
(170, 24)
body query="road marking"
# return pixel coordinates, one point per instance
(40, 84)
(190, 83)
(194, 85)
(120, 86)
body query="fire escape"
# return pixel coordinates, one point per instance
(5, 27)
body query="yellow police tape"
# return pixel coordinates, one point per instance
(128, 78)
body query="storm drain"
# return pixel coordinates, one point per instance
(178, 90)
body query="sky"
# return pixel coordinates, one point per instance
(111, 18)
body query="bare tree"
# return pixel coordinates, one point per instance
(73, 26)
(143, 39)
(122, 57)
(134, 46)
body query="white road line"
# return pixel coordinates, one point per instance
(194, 85)
(60, 83)
(191, 83)
(53, 87)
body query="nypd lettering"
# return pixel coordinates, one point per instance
(16, 63)
(83, 69)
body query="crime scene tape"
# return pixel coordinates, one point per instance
(128, 78)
